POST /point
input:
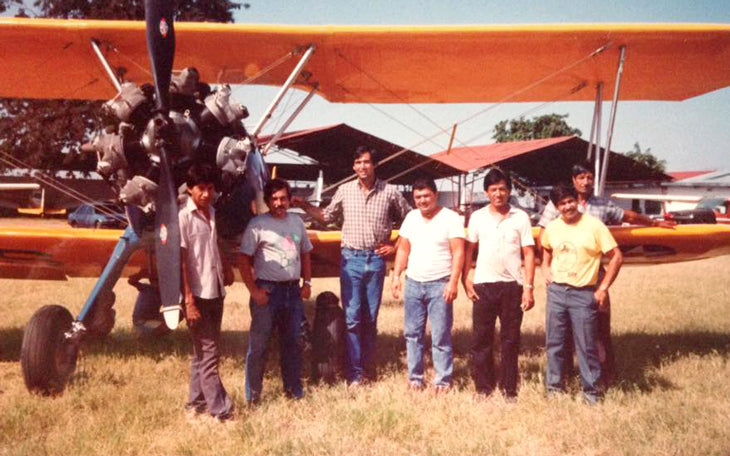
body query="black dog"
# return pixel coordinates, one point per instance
(328, 339)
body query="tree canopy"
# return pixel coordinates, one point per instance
(44, 134)
(646, 158)
(545, 126)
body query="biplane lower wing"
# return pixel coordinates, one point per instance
(57, 253)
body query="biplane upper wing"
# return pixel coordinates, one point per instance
(48, 58)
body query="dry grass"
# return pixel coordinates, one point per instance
(672, 337)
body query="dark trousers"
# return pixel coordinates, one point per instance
(206, 388)
(503, 300)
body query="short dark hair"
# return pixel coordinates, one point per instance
(362, 150)
(561, 191)
(495, 175)
(201, 173)
(423, 183)
(273, 186)
(581, 167)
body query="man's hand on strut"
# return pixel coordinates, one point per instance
(192, 314)
(469, 288)
(385, 250)
(528, 299)
(260, 296)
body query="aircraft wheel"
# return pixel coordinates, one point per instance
(47, 356)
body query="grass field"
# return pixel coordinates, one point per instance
(671, 332)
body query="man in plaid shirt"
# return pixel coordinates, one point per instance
(368, 208)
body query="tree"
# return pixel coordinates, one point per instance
(546, 126)
(646, 158)
(41, 133)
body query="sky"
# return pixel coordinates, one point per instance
(690, 135)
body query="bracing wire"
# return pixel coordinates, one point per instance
(59, 186)
(482, 111)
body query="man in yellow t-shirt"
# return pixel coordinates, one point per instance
(573, 247)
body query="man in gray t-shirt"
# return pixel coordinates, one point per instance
(275, 251)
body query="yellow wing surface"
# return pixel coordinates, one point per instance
(48, 58)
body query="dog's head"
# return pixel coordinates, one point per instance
(327, 299)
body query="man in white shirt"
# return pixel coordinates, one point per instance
(203, 278)
(498, 289)
(432, 248)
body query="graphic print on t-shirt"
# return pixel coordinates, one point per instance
(566, 257)
(288, 255)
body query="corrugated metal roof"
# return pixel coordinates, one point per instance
(544, 161)
(332, 146)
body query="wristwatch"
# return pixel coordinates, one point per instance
(529, 286)
(307, 283)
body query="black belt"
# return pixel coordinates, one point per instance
(281, 282)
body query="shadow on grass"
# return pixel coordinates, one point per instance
(125, 342)
(638, 355)
(10, 341)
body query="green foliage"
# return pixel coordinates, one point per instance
(647, 158)
(546, 126)
(45, 134)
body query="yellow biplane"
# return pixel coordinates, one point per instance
(104, 60)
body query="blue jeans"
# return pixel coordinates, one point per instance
(283, 312)
(361, 287)
(421, 300)
(577, 309)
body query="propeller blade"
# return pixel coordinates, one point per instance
(167, 243)
(161, 46)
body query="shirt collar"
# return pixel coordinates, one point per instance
(512, 210)
(377, 185)
(190, 206)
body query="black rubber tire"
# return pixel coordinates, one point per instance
(47, 357)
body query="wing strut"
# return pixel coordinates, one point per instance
(105, 64)
(595, 123)
(291, 118)
(595, 140)
(292, 77)
(609, 134)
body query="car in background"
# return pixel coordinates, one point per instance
(102, 215)
(719, 205)
(709, 209)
